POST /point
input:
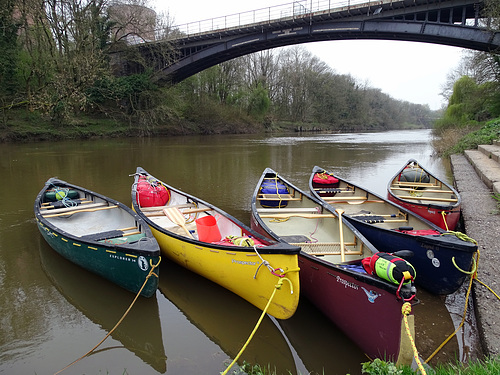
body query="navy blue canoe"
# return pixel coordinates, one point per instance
(441, 259)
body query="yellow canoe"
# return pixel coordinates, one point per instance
(217, 246)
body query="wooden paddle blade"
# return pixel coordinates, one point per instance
(176, 217)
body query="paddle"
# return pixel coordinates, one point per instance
(341, 230)
(176, 217)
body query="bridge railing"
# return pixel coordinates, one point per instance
(294, 10)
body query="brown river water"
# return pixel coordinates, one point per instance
(53, 312)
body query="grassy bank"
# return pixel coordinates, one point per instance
(21, 126)
(488, 366)
(456, 140)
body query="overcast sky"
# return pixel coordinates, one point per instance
(409, 71)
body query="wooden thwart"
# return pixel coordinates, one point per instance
(409, 183)
(344, 198)
(159, 208)
(186, 211)
(305, 216)
(447, 191)
(77, 210)
(423, 198)
(288, 210)
(277, 197)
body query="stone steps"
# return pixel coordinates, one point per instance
(486, 163)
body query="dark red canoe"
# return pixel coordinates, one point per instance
(419, 191)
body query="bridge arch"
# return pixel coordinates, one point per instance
(447, 22)
(445, 34)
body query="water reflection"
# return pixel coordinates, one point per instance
(226, 319)
(322, 347)
(103, 302)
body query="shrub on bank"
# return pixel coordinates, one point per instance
(469, 139)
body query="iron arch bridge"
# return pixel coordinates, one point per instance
(202, 44)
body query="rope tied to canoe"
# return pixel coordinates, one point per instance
(281, 279)
(274, 271)
(459, 235)
(480, 282)
(406, 310)
(443, 214)
(151, 273)
(62, 195)
(473, 274)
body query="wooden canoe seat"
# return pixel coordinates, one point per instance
(328, 248)
(334, 190)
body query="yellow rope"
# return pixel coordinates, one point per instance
(443, 214)
(473, 272)
(460, 235)
(406, 310)
(151, 272)
(487, 287)
(277, 286)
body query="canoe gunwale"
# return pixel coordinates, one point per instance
(451, 206)
(144, 247)
(275, 248)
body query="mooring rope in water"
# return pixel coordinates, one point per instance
(151, 273)
(406, 310)
(282, 278)
(473, 274)
(264, 312)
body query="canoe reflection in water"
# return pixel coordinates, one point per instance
(104, 303)
(226, 319)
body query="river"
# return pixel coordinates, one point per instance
(52, 312)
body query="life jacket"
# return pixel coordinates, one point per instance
(389, 267)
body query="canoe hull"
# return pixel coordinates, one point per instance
(433, 256)
(370, 316)
(120, 267)
(422, 193)
(433, 214)
(240, 272)
(99, 234)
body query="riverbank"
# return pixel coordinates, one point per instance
(20, 125)
(475, 174)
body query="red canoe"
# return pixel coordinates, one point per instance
(419, 191)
